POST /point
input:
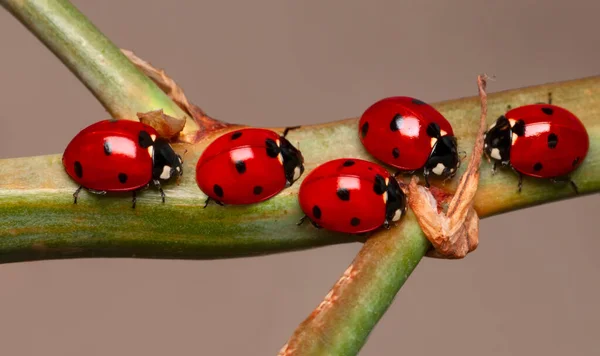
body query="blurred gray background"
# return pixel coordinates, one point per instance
(530, 288)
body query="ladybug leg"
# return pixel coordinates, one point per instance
(158, 186)
(386, 225)
(288, 129)
(494, 167)
(301, 221)
(76, 194)
(206, 202)
(133, 200)
(566, 180)
(426, 175)
(574, 186)
(550, 98)
(520, 181)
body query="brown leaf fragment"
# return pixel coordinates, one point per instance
(454, 233)
(166, 126)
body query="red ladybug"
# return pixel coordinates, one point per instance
(410, 135)
(120, 156)
(538, 140)
(247, 166)
(351, 195)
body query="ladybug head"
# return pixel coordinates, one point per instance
(293, 162)
(395, 205)
(497, 140)
(166, 163)
(444, 160)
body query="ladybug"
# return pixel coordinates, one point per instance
(247, 166)
(538, 140)
(410, 135)
(120, 156)
(352, 196)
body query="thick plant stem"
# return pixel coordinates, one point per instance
(38, 219)
(117, 83)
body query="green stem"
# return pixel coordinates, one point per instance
(117, 83)
(38, 219)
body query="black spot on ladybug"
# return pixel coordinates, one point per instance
(144, 139)
(519, 128)
(396, 123)
(218, 190)
(379, 186)
(343, 194)
(123, 178)
(107, 148)
(257, 190)
(364, 129)
(355, 222)
(548, 111)
(552, 140)
(236, 135)
(78, 169)
(433, 130)
(537, 167)
(316, 212)
(575, 161)
(396, 152)
(240, 166)
(272, 148)
(418, 102)
(370, 168)
(348, 163)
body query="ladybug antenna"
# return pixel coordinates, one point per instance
(288, 129)
(463, 155)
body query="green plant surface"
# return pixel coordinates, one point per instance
(38, 219)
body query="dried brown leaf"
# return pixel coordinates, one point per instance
(454, 233)
(166, 126)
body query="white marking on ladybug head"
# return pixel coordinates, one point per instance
(514, 138)
(397, 215)
(492, 125)
(512, 122)
(280, 158)
(495, 153)
(439, 169)
(153, 137)
(166, 173)
(443, 133)
(387, 181)
(151, 151)
(433, 141)
(278, 143)
(385, 197)
(297, 173)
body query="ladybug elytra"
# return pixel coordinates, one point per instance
(538, 140)
(120, 156)
(247, 166)
(410, 135)
(352, 196)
